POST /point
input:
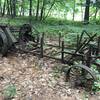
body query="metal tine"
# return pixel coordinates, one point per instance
(77, 50)
(41, 45)
(82, 46)
(77, 41)
(80, 38)
(89, 41)
(60, 39)
(86, 33)
(36, 30)
(98, 46)
(83, 32)
(62, 52)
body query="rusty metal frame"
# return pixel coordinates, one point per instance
(39, 50)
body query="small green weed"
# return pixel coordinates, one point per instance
(9, 92)
(96, 85)
(56, 72)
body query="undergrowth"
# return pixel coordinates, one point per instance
(96, 85)
(53, 26)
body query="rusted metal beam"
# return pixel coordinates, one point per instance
(62, 52)
(59, 40)
(74, 54)
(98, 47)
(41, 46)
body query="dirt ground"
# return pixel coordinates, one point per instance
(36, 79)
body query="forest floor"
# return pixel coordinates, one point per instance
(36, 79)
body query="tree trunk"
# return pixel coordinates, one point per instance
(4, 7)
(8, 8)
(30, 10)
(81, 10)
(0, 8)
(74, 10)
(22, 12)
(11, 8)
(14, 8)
(96, 13)
(42, 10)
(37, 10)
(86, 16)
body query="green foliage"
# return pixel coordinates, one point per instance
(56, 71)
(85, 96)
(29, 45)
(97, 4)
(9, 92)
(56, 8)
(96, 85)
(70, 39)
(53, 26)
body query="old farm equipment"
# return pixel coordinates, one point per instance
(79, 59)
(7, 39)
(86, 54)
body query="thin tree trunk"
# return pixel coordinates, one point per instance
(4, 7)
(42, 10)
(96, 13)
(37, 10)
(49, 10)
(81, 10)
(8, 8)
(22, 9)
(74, 10)
(14, 8)
(0, 8)
(11, 8)
(30, 10)
(86, 16)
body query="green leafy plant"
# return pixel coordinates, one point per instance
(85, 96)
(9, 92)
(29, 45)
(96, 85)
(56, 71)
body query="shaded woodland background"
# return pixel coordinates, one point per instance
(82, 10)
